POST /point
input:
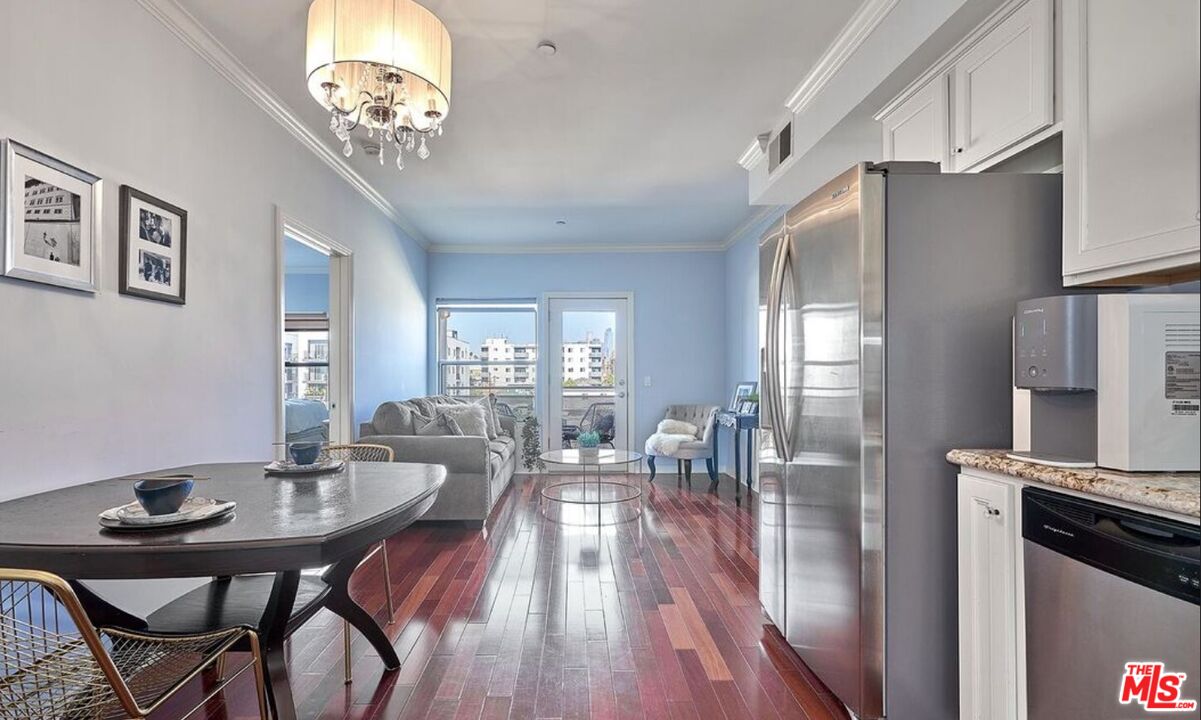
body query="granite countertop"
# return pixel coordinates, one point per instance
(1173, 492)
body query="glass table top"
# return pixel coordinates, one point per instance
(604, 456)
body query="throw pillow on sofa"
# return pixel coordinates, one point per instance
(488, 403)
(397, 418)
(470, 418)
(442, 424)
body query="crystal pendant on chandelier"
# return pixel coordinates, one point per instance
(398, 89)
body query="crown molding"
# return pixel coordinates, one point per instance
(188, 29)
(561, 249)
(752, 155)
(759, 216)
(870, 14)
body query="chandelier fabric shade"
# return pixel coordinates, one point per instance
(353, 43)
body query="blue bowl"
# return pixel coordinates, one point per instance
(304, 453)
(162, 496)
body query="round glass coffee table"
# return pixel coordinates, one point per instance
(575, 501)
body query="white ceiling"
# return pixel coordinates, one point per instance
(630, 133)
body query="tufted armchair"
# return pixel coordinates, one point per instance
(701, 448)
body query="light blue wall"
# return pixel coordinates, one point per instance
(679, 312)
(306, 292)
(390, 320)
(741, 269)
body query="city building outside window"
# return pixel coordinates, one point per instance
(489, 347)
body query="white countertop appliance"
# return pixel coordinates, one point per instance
(887, 297)
(1115, 380)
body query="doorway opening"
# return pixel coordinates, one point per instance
(315, 330)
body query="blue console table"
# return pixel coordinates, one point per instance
(738, 422)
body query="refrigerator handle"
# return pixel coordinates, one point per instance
(775, 302)
(769, 348)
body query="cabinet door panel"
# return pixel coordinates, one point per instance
(1004, 85)
(1132, 112)
(917, 129)
(987, 601)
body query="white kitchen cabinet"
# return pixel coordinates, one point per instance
(988, 600)
(1131, 140)
(1003, 87)
(917, 128)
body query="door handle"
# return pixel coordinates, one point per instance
(775, 392)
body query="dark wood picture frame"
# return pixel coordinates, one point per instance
(128, 223)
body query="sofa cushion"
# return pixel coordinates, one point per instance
(442, 424)
(397, 418)
(504, 447)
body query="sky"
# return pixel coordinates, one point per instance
(519, 327)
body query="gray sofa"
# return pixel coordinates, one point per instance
(477, 470)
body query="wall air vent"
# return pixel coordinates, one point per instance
(779, 149)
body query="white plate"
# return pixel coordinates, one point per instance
(194, 510)
(288, 467)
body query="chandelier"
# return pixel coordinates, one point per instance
(383, 65)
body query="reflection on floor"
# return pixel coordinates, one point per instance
(657, 618)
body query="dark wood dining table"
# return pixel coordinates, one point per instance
(281, 526)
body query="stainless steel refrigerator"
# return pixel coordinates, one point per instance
(887, 297)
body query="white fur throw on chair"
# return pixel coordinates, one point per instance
(676, 427)
(669, 436)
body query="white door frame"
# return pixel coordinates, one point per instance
(543, 370)
(341, 324)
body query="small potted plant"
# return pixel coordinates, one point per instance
(589, 444)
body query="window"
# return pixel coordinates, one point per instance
(306, 356)
(489, 346)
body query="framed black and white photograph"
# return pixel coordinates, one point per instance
(51, 211)
(154, 238)
(742, 392)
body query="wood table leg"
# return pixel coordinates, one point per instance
(273, 630)
(750, 459)
(716, 449)
(737, 467)
(344, 606)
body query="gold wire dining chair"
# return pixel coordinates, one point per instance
(55, 664)
(364, 452)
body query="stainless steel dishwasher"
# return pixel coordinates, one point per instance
(1106, 587)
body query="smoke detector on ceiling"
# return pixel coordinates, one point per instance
(547, 48)
(371, 148)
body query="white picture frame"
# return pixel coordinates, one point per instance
(51, 214)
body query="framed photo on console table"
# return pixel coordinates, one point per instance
(745, 393)
(51, 212)
(154, 247)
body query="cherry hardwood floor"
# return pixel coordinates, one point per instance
(657, 617)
